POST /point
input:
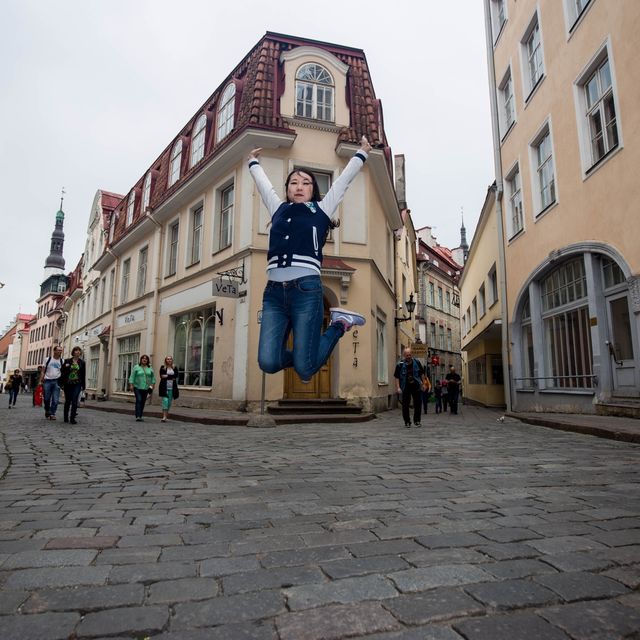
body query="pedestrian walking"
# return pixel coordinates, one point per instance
(453, 386)
(73, 380)
(141, 382)
(445, 395)
(36, 392)
(409, 374)
(15, 384)
(168, 387)
(50, 381)
(437, 394)
(292, 300)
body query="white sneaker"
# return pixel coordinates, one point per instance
(348, 318)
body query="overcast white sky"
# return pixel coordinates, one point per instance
(92, 91)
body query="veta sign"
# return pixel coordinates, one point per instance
(225, 288)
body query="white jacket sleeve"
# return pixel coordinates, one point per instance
(330, 202)
(265, 188)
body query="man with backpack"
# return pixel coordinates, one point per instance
(50, 380)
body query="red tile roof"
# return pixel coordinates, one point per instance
(329, 262)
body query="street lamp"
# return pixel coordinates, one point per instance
(411, 306)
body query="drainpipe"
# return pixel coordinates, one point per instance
(107, 371)
(497, 159)
(159, 241)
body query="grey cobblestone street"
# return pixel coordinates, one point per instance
(467, 528)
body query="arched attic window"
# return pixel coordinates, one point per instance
(131, 204)
(146, 192)
(226, 110)
(174, 163)
(314, 92)
(197, 140)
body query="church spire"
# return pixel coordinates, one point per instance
(55, 262)
(463, 237)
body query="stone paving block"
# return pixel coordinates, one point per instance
(582, 586)
(508, 551)
(602, 620)
(84, 598)
(438, 576)
(335, 622)
(348, 537)
(150, 540)
(228, 610)
(384, 548)
(57, 577)
(451, 540)
(361, 566)
(512, 594)
(579, 561)
(11, 600)
(434, 605)
(296, 557)
(404, 531)
(61, 558)
(619, 538)
(621, 555)
(77, 532)
(620, 523)
(130, 555)
(44, 626)
(428, 632)
(458, 555)
(267, 579)
(127, 620)
(565, 544)
(184, 590)
(188, 552)
(510, 534)
(628, 576)
(245, 631)
(84, 542)
(509, 569)
(216, 567)
(151, 572)
(16, 546)
(280, 543)
(346, 591)
(520, 626)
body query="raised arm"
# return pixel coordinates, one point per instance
(268, 194)
(330, 202)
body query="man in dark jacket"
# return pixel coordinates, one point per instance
(73, 380)
(409, 374)
(453, 386)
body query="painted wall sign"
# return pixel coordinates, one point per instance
(225, 288)
(125, 319)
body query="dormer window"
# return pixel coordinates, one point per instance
(130, 207)
(226, 111)
(197, 140)
(146, 192)
(174, 165)
(314, 93)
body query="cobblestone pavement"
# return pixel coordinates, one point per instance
(466, 528)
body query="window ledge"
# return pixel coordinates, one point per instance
(507, 132)
(193, 264)
(546, 210)
(186, 387)
(593, 169)
(570, 391)
(516, 235)
(534, 90)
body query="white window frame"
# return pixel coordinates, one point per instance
(482, 301)
(174, 163)
(540, 168)
(131, 204)
(124, 280)
(498, 17)
(128, 357)
(141, 284)
(507, 104)
(173, 245)
(382, 357)
(313, 105)
(574, 13)
(226, 112)
(146, 193)
(198, 140)
(196, 224)
(527, 57)
(515, 218)
(584, 113)
(223, 228)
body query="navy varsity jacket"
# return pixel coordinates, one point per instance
(298, 230)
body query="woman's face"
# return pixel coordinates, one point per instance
(300, 187)
(144, 360)
(169, 362)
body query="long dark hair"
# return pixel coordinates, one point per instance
(315, 196)
(144, 355)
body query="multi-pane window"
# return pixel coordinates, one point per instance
(174, 164)
(447, 306)
(197, 140)
(226, 216)
(382, 358)
(478, 371)
(103, 293)
(112, 284)
(172, 258)
(130, 207)
(481, 301)
(432, 294)
(449, 340)
(146, 193)
(611, 273)
(601, 112)
(516, 218)
(196, 235)
(566, 325)
(493, 285)
(432, 335)
(440, 305)
(128, 357)
(508, 114)
(124, 284)
(545, 171)
(575, 9)
(474, 312)
(533, 48)
(142, 272)
(498, 17)
(94, 360)
(314, 92)
(441, 337)
(226, 111)
(194, 336)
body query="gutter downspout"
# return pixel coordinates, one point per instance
(153, 325)
(497, 159)
(107, 372)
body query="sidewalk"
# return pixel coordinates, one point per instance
(610, 427)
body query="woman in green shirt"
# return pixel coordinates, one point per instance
(141, 382)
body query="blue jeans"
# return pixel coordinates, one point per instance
(71, 397)
(13, 395)
(141, 399)
(51, 397)
(295, 307)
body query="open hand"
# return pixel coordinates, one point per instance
(364, 144)
(253, 155)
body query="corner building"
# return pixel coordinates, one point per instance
(567, 135)
(186, 247)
